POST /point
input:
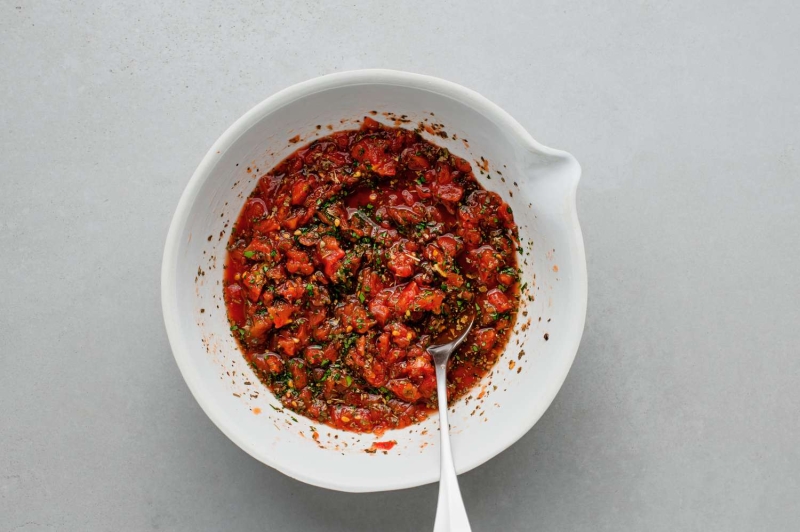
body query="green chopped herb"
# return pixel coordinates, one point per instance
(249, 254)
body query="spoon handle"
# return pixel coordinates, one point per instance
(451, 516)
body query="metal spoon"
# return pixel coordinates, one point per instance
(451, 516)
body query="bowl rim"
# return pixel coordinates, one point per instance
(169, 300)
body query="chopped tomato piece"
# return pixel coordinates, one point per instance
(281, 314)
(506, 215)
(450, 244)
(401, 334)
(300, 191)
(485, 260)
(292, 290)
(415, 162)
(316, 316)
(253, 282)
(449, 192)
(236, 304)
(269, 363)
(383, 344)
(402, 260)
(355, 317)
(407, 297)
(261, 324)
(498, 300)
(375, 156)
(395, 355)
(404, 390)
(380, 310)
(485, 339)
(330, 254)
(505, 278)
(428, 386)
(267, 226)
(462, 165)
(254, 208)
(429, 299)
(286, 344)
(298, 262)
(316, 355)
(260, 249)
(418, 367)
(297, 369)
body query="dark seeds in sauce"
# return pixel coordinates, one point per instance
(347, 261)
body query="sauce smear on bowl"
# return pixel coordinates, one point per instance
(349, 259)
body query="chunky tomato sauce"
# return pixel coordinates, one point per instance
(350, 258)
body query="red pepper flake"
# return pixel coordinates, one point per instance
(384, 445)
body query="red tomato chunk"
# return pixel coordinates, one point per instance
(348, 260)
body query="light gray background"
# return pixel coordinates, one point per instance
(682, 411)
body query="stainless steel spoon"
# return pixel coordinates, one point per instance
(451, 516)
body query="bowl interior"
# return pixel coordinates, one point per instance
(538, 183)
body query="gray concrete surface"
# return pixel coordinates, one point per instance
(682, 411)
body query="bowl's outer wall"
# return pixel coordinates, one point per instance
(537, 182)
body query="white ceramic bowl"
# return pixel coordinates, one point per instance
(538, 182)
